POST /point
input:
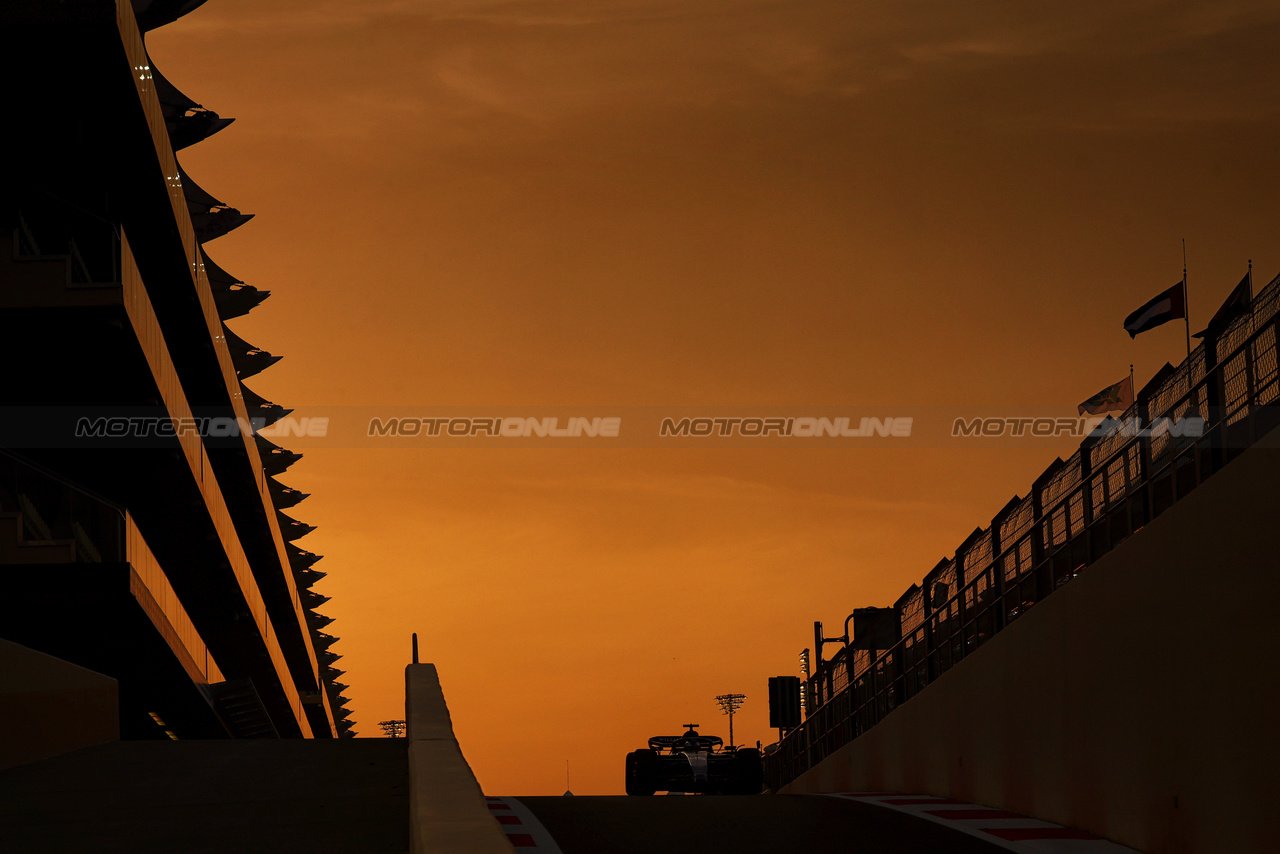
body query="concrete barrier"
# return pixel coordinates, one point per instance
(1138, 702)
(50, 706)
(447, 811)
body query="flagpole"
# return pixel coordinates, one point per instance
(1186, 308)
(1133, 392)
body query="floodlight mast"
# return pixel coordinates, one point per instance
(730, 703)
(392, 729)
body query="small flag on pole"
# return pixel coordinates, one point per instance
(1237, 303)
(1111, 398)
(1166, 306)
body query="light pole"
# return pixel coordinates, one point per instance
(730, 703)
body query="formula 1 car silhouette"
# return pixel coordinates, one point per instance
(694, 763)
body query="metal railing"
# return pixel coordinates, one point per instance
(1076, 511)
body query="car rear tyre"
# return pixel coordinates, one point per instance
(641, 767)
(749, 771)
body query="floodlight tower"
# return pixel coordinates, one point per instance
(730, 703)
(392, 729)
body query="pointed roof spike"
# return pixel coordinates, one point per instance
(285, 496)
(197, 128)
(237, 300)
(196, 195)
(300, 558)
(260, 407)
(275, 459)
(318, 621)
(218, 277)
(186, 121)
(291, 529)
(297, 531)
(212, 224)
(247, 359)
(210, 216)
(256, 401)
(307, 578)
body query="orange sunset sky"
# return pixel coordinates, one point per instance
(891, 207)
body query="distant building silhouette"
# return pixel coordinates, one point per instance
(141, 532)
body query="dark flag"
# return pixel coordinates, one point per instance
(1169, 305)
(1237, 304)
(1111, 398)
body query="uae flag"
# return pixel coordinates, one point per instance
(1237, 304)
(1162, 308)
(1111, 398)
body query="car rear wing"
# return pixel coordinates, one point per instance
(676, 742)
